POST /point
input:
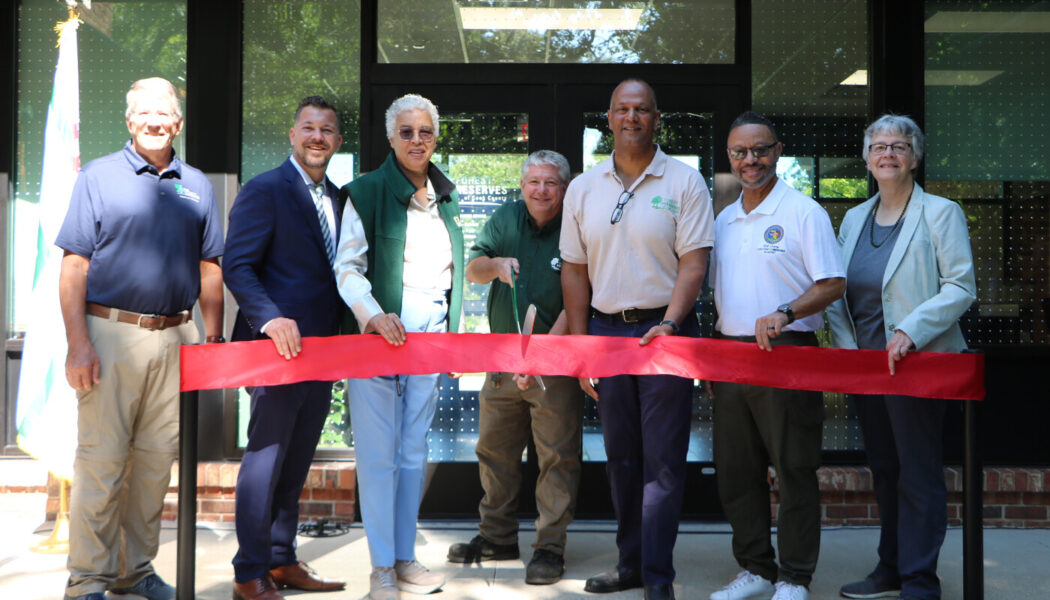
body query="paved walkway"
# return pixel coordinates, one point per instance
(1016, 561)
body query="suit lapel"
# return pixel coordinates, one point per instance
(911, 223)
(303, 203)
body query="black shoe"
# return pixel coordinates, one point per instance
(871, 587)
(616, 580)
(545, 568)
(661, 591)
(479, 549)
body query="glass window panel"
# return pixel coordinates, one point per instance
(809, 76)
(985, 74)
(559, 31)
(119, 42)
(292, 49)
(482, 154)
(842, 178)
(689, 138)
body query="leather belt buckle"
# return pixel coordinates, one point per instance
(151, 321)
(629, 315)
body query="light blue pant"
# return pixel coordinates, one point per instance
(390, 417)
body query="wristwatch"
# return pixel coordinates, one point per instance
(215, 339)
(786, 309)
(674, 326)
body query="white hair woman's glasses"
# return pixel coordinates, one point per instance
(899, 148)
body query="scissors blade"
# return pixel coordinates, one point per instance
(530, 323)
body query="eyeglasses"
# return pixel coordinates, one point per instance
(880, 149)
(758, 151)
(425, 135)
(617, 213)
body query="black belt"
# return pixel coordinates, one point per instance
(794, 338)
(631, 315)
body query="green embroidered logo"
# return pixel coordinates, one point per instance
(669, 204)
(187, 193)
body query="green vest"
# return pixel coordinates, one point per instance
(381, 198)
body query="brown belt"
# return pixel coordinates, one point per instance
(151, 322)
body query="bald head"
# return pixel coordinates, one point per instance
(634, 81)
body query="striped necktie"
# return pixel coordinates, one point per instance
(317, 191)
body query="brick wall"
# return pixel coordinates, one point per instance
(1013, 497)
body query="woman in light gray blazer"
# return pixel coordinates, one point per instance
(909, 278)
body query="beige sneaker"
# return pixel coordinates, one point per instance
(383, 584)
(417, 579)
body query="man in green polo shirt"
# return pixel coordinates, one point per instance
(518, 246)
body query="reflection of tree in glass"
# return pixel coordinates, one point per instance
(668, 32)
(295, 48)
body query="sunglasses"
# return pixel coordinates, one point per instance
(407, 133)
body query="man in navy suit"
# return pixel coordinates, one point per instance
(280, 243)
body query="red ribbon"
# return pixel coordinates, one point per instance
(923, 374)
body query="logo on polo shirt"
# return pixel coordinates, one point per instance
(187, 193)
(556, 263)
(669, 204)
(773, 234)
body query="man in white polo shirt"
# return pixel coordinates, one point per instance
(635, 237)
(775, 267)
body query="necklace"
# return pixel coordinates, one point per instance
(900, 219)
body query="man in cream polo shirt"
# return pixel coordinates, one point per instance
(636, 233)
(776, 266)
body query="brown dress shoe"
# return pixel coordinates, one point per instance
(256, 589)
(301, 577)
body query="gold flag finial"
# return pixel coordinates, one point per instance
(70, 24)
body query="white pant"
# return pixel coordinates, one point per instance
(390, 417)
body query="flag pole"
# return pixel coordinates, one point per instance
(58, 541)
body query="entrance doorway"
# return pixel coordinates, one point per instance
(486, 134)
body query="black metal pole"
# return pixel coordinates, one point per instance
(973, 508)
(185, 576)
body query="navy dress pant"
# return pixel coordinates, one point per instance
(903, 439)
(285, 426)
(645, 424)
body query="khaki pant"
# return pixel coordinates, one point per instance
(508, 417)
(127, 439)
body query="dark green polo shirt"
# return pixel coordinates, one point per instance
(511, 232)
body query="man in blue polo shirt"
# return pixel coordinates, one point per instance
(142, 241)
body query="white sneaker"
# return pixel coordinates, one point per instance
(417, 579)
(790, 591)
(383, 584)
(746, 585)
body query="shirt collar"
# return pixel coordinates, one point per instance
(140, 165)
(306, 178)
(769, 204)
(655, 168)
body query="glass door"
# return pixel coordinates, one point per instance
(486, 134)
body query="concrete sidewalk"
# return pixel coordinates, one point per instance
(1016, 561)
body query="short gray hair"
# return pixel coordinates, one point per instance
(155, 84)
(406, 103)
(547, 157)
(896, 124)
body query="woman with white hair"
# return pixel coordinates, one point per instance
(909, 278)
(409, 277)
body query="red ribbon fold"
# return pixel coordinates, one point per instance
(922, 374)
